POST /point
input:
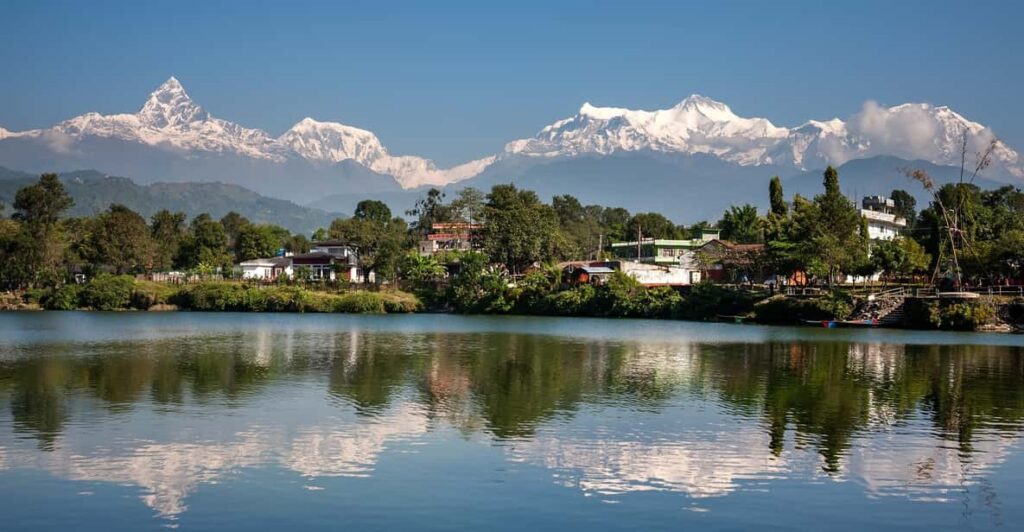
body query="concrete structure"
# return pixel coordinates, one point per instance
(330, 260)
(661, 251)
(880, 212)
(597, 272)
(451, 236)
(266, 269)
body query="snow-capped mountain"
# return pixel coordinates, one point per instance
(331, 142)
(608, 153)
(700, 125)
(170, 119)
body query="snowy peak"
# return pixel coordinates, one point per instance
(170, 119)
(170, 106)
(712, 110)
(699, 124)
(332, 142)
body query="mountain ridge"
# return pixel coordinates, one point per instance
(172, 123)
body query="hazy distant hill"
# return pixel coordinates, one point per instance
(94, 192)
(686, 188)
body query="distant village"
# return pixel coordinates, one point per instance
(650, 261)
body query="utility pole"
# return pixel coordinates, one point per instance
(639, 240)
(600, 246)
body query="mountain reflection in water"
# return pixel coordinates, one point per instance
(607, 416)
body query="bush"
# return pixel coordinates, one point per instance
(787, 310)
(707, 300)
(955, 316)
(36, 295)
(576, 301)
(67, 297)
(966, 315)
(217, 296)
(108, 292)
(148, 293)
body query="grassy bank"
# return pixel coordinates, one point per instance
(112, 292)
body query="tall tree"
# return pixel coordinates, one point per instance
(205, 247)
(255, 241)
(650, 225)
(373, 210)
(39, 245)
(429, 210)
(742, 225)
(906, 205)
(469, 205)
(777, 198)
(828, 230)
(168, 230)
(121, 239)
(233, 223)
(520, 229)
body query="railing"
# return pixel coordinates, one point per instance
(1013, 290)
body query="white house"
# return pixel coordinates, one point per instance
(266, 269)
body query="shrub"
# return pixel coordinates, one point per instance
(108, 292)
(576, 301)
(148, 293)
(707, 300)
(966, 315)
(787, 310)
(67, 297)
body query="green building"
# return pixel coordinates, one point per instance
(661, 251)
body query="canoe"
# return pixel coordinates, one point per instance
(828, 324)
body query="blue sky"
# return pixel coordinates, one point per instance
(456, 80)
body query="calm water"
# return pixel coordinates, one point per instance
(138, 421)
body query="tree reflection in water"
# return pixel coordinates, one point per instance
(571, 405)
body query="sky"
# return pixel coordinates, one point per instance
(455, 81)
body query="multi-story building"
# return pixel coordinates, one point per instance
(661, 251)
(883, 223)
(451, 236)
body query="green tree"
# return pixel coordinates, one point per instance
(650, 225)
(520, 229)
(39, 246)
(373, 210)
(776, 198)
(906, 206)
(429, 210)
(256, 241)
(205, 246)
(828, 231)
(168, 230)
(469, 205)
(742, 225)
(888, 257)
(233, 223)
(121, 239)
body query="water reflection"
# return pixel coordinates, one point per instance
(602, 416)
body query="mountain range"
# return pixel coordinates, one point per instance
(690, 160)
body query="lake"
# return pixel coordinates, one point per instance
(135, 421)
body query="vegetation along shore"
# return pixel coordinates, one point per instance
(956, 264)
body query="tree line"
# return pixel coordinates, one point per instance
(823, 237)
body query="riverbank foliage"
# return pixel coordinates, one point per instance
(122, 292)
(519, 240)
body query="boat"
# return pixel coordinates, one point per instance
(828, 324)
(858, 323)
(733, 319)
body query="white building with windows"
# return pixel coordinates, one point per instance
(883, 223)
